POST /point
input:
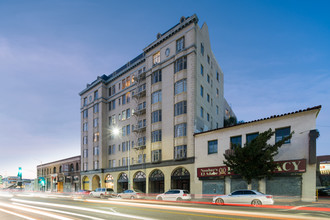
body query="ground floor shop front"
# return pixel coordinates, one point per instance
(294, 179)
(148, 180)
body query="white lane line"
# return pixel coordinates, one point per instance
(59, 211)
(16, 214)
(35, 211)
(203, 210)
(81, 208)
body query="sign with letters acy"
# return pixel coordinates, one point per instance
(287, 166)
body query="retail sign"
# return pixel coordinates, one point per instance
(213, 171)
(291, 166)
(288, 166)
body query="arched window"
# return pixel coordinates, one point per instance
(54, 170)
(60, 169)
(77, 167)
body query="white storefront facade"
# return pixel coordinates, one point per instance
(296, 173)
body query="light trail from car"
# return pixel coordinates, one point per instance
(16, 214)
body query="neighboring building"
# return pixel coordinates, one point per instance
(157, 101)
(323, 171)
(296, 174)
(60, 176)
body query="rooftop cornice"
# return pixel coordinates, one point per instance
(263, 119)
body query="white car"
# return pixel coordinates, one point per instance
(131, 194)
(244, 197)
(174, 195)
(103, 192)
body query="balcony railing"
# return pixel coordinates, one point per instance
(139, 92)
(139, 111)
(140, 128)
(140, 76)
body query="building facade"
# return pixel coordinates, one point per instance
(296, 172)
(60, 176)
(137, 124)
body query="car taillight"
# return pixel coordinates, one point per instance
(269, 197)
(184, 194)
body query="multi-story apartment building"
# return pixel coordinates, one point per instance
(60, 176)
(137, 124)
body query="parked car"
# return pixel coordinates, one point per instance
(131, 194)
(174, 195)
(244, 197)
(102, 193)
(325, 191)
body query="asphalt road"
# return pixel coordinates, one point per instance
(42, 206)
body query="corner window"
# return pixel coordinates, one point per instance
(156, 76)
(156, 97)
(180, 130)
(180, 108)
(156, 116)
(156, 136)
(180, 152)
(281, 133)
(180, 86)
(212, 147)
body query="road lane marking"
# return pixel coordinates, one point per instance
(35, 211)
(207, 210)
(59, 211)
(16, 214)
(81, 208)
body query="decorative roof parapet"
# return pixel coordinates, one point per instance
(184, 22)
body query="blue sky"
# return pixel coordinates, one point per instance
(275, 56)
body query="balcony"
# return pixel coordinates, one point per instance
(141, 144)
(139, 92)
(140, 76)
(139, 111)
(229, 152)
(140, 128)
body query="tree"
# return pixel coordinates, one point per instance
(232, 120)
(256, 159)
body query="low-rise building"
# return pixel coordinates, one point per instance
(296, 173)
(60, 176)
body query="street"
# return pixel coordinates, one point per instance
(49, 206)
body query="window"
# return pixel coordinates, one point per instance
(156, 116)
(96, 108)
(180, 108)
(112, 120)
(217, 92)
(202, 70)
(128, 130)
(202, 91)
(96, 151)
(85, 153)
(156, 76)
(202, 49)
(123, 131)
(156, 97)
(141, 141)
(85, 126)
(112, 149)
(128, 113)
(156, 136)
(208, 97)
(156, 155)
(123, 146)
(208, 117)
(156, 58)
(142, 158)
(96, 136)
(235, 142)
(180, 86)
(113, 163)
(212, 147)
(96, 164)
(217, 109)
(85, 140)
(208, 78)
(180, 64)
(208, 59)
(180, 44)
(85, 101)
(113, 89)
(95, 122)
(112, 105)
(85, 113)
(202, 112)
(180, 130)
(281, 133)
(250, 137)
(123, 98)
(96, 95)
(85, 166)
(218, 76)
(180, 152)
(119, 101)
(119, 86)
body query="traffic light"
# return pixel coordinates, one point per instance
(19, 172)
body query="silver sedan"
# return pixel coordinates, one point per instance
(244, 197)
